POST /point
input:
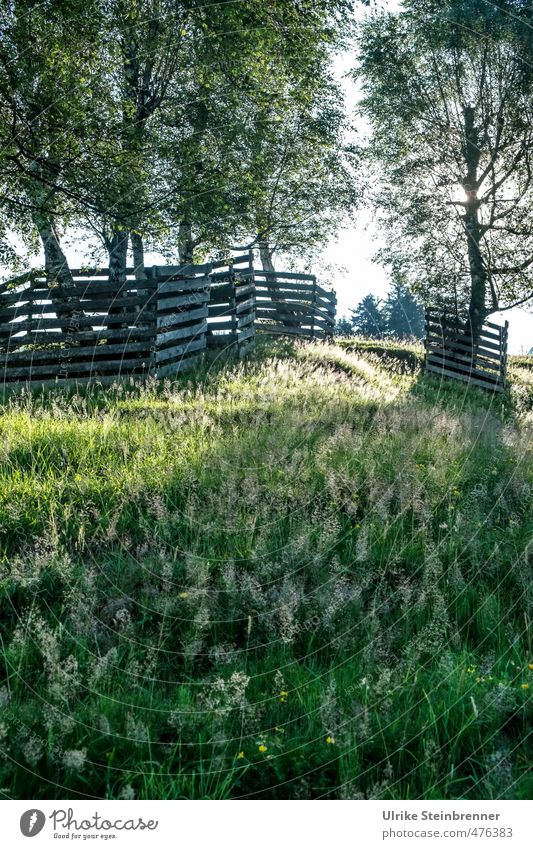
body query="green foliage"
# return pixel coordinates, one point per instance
(303, 576)
(367, 318)
(403, 314)
(448, 92)
(144, 117)
(400, 316)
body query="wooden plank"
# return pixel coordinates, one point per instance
(118, 366)
(220, 276)
(431, 343)
(169, 303)
(178, 350)
(495, 387)
(73, 353)
(289, 331)
(221, 325)
(219, 310)
(244, 306)
(55, 336)
(181, 365)
(181, 317)
(239, 260)
(220, 293)
(493, 326)
(63, 383)
(243, 335)
(453, 323)
(191, 270)
(15, 298)
(466, 363)
(96, 306)
(85, 321)
(464, 344)
(97, 287)
(462, 367)
(284, 288)
(241, 291)
(14, 312)
(285, 275)
(176, 287)
(273, 315)
(244, 320)
(460, 331)
(188, 332)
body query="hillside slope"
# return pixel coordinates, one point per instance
(304, 576)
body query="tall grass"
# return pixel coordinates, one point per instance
(304, 576)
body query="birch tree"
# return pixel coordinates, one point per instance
(448, 93)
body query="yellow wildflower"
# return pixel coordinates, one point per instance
(530, 666)
(184, 595)
(240, 756)
(525, 686)
(262, 748)
(330, 740)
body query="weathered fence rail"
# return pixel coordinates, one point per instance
(451, 351)
(158, 325)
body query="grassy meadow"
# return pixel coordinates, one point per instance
(307, 575)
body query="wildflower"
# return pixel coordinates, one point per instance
(443, 526)
(455, 492)
(184, 595)
(530, 666)
(525, 686)
(75, 758)
(283, 696)
(330, 740)
(240, 756)
(127, 792)
(262, 748)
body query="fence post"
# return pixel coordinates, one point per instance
(232, 302)
(313, 308)
(503, 352)
(152, 292)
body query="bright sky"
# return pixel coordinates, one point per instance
(354, 273)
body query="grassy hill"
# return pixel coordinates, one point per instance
(303, 576)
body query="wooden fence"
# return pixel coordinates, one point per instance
(231, 318)
(450, 351)
(107, 333)
(291, 303)
(156, 326)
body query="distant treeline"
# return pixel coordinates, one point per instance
(399, 316)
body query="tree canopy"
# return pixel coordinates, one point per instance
(448, 93)
(186, 126)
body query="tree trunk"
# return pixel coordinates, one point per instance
(118, 252)
(140, 274)
(58, 276)
(478, 274)
(185, 244)
(283, 313)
